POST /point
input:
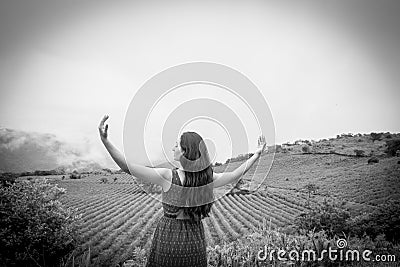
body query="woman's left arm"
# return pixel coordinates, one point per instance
(221, 179)
(158, 176)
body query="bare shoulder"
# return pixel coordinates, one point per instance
(165, 173)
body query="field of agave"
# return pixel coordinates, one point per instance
(118, 217)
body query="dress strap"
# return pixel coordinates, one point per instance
(176, 175)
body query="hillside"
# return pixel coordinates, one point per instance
(118, 217)
(345, 177)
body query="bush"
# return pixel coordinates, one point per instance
(392, 146)
(75, 176)
(373, 160)
(45, 172)
(306, 149)
(150, 187)
(376, 136)
(330, 217)
(261, 247)
(385, 219)
(8, 178)
(359, 153)
(35, 228)
(311, 189)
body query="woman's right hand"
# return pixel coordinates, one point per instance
(103, 129)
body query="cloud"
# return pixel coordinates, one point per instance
(29, 151)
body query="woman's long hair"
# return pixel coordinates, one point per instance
(198, 173)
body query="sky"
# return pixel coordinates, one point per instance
(323, 67)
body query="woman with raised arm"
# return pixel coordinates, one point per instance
(187, 195)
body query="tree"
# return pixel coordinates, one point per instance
(75, 175)
(35, 228)
(376, 136)
(306, 149)
(392, 146)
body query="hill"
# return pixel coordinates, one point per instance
(118, 217)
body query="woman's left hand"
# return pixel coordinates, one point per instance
(261, 145)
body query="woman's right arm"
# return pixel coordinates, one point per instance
(221, 179)
(160, 176)
(116, 155)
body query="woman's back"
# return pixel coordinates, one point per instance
(177, 240)
(172, 200)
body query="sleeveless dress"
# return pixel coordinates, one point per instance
(177, 242)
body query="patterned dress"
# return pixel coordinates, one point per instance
(177, 242)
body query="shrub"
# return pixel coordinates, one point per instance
(306, 149)
(311, 189)
(373, 160)
(151, 188)
(107, 170)
(376, 136)
(75, 176)
(261, 248)
(35, 228)
(392, 146)
(240, 184)
(385, 219)
(330, 217)
(46, 172)
(359, 153)
(8, 178)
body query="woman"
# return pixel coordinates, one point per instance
(187, 195)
